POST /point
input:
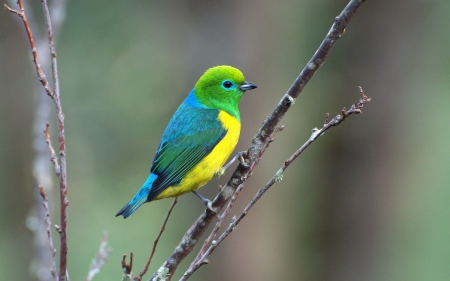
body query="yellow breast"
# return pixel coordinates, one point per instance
(204, 171)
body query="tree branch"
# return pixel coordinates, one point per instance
(60, 168)
(48, 228)
(127, 276)
(42, 169)
(39, 71)
(225, 213)
(316, 133)
(259, 143)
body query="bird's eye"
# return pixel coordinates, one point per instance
(227, 84)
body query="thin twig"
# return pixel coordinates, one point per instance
(354, 109)
(155, 243)
(100, 258)
(49, 232)
(55, 95)
(39, 71)
(242, 172)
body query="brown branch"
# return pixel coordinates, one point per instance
(55, 95)
(100, 259)
(42, 169)
(49, 232)
(155, 243)
(127, 267)
(259, 142)
(354, 109)
(39, 71)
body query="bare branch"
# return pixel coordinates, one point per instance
(55, 95)
(100, 259)
(155, 243)
(42, 169)
(260, 141)
(39, 71)
(49, 227)
(127, 267)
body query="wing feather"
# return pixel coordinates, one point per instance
(191, 135)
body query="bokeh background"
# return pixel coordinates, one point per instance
(367, 201)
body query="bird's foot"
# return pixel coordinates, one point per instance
(239, 156)
(207, 202)
(242, 160)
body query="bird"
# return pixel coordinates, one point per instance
(200, 137)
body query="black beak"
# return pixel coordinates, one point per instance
(247, 86)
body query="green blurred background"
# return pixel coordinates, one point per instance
(368, 201)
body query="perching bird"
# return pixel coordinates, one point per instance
(200, 137)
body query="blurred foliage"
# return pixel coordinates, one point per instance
(368, 201)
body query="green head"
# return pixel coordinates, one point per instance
(221, 87)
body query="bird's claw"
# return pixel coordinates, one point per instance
(242, 160)
(207, 202)
(211, 208)
(239, 156)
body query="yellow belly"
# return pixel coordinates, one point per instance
(204, 171)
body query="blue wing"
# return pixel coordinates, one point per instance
(191, 135)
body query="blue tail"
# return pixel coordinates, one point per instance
(139, 199)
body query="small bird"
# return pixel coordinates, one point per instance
(200, 137)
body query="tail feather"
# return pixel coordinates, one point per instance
(129, 208)
(139, 199)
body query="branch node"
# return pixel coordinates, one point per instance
(291, 100)
(13, 11)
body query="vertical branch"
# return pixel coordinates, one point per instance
(41, 166)
(60, 168)
(48, 229)
(62, 176)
